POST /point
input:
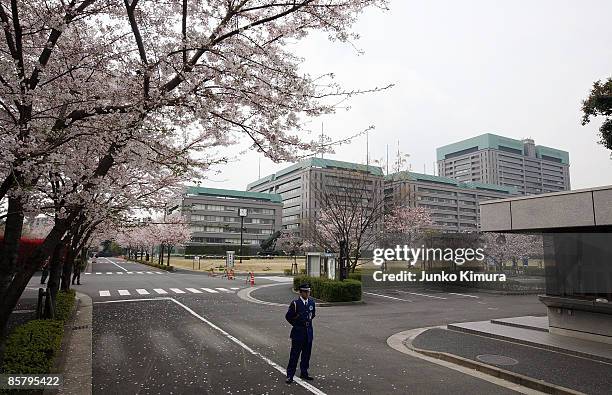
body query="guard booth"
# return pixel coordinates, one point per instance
(322, 264)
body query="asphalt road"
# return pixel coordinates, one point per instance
(162, 333)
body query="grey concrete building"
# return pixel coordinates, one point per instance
(214, 217)
(454, 205)
(489, 158)
(577, 233)
(301, 185)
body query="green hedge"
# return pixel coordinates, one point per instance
(162, 267)
(32, 347)
(64, 305)
(330, 290)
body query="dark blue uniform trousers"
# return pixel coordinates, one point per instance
(299, 346)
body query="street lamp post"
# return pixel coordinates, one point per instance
(243, 213)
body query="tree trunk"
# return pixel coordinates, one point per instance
(9, 248)
(168, 262)
(55, 268)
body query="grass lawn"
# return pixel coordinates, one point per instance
(275, 265)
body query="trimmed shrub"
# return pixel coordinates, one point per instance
(330, 290)
(31, 348)
(64, 305)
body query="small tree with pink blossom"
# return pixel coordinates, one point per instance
(501, 248)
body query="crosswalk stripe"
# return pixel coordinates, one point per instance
(158, 273)
(104, 293)
(223, 289)
(98, 273)
(234, 288)
(160, 291)
(149, 272)
(212, 291)
(109, 272)
(87, 273)
(139, 273)
(119, 272)
(123, 292)
(130, 272)
(177, 291)
(193, 290)
(142, 291)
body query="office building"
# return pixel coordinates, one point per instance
(492, 159)
(302, 184)
(214, 217)
(453, 204)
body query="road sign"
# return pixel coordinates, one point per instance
(229, 259)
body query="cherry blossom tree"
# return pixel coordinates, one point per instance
(406, 225)
(501, 248)
(94, 93)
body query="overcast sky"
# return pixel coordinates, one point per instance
(518, 68)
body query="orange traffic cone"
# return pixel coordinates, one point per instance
(252, 279)
(230, 276)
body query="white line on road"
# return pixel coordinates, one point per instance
(120, 267)
(87, 273)
(129, 272)
(123, 292)
(390, 297)
(109, 272)
(212, 291)
(223, 289)
(276, 366)
(98, 273)
(142, 291)
(193, 290)
(177, 291)
(234, 288)
(466, 295)
(139, 273)
(104, 293)
(160, 291)
(158, 273)
(425, 295)
(149, 272)
(119, 272)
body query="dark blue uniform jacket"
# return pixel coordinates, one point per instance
(300, 317)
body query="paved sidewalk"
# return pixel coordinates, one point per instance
(569, 371)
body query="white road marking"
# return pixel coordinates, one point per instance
(390, 297)
(129, 272)
(466, 295)
(123, 292)
(104, 293)
(160, 291)
(149, 272)
(142, 291)
(276, 366)
(193, 290)
(223, 289)
(234, 288)
(425, 295)
(120, 267)
(177, 291)
(119, 272)
(109, 272)
(158, 273)
(98, 273)
(139, 273)
(87, 273)
(212, 291)
(278, 279)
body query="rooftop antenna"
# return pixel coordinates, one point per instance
(424, 169)
(387, 159)
(367, 148)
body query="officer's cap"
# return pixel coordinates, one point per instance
(305, 287)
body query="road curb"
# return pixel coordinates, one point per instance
(403, 341)
(78, 363)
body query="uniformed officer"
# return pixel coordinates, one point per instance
(300, 314)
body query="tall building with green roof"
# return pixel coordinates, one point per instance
(301, 185)
(453, 205)
(493, 159)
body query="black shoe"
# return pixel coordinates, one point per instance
(306, 377)
(289, 380)
(78, 283)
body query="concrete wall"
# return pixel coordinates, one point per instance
(571, 209)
